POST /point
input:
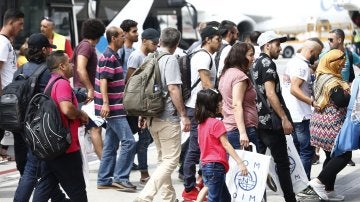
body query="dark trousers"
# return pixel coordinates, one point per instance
(331, 167)
(275, 140)
(33, 171)
(20, 150)
(184, 148)
(193, 154)
(66, 170)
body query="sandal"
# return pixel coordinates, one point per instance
(143, 181)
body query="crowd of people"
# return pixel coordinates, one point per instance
(237, 99)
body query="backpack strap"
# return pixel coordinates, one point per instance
(351, 62)
(211, 64)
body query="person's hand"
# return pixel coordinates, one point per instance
(244, 140)
(90, 96)
(105, 110)
(84, 118)
(142, 123)
(315, 105)
(186, 123)
(243, 169)
(287, 126)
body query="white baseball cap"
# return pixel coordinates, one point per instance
(268, 36)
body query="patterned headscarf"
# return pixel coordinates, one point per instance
(328, 76)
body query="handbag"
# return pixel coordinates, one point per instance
(349, 134)
(297, 172)
(252, 186)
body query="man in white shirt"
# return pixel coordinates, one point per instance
(297, 94)
(230, 35)
(203, 72)
(13, 24)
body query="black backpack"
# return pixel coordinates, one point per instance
(44, 131)
(185, 70)
(16, 97)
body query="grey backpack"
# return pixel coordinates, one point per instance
(143, 95)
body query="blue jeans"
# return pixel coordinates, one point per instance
(66, 170)
(192, 156)
(301, 138)
(234, 137)
(32, 173)
(145, 140)
(214, 178)
(117, 130)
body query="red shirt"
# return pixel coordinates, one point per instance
(209, 133)
(62, 91)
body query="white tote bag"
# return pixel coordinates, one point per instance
(250, 187)
(297, 171)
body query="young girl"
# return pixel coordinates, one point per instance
(214, 145)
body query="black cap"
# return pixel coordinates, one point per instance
(209, 31)
(151, 34)
(38, 41)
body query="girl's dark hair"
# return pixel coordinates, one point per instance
(237, 57)
(207, 104)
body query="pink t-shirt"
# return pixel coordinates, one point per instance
(211, 149)
(232, 77)
(62, 91)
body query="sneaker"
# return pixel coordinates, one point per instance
(332, 196)
(351, 163)
(191, 195)
(108, 186)
(143, 182)
(318, 188)
(308, 191)
(125, 186)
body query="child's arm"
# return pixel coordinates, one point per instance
(229, 149)
(202, 194)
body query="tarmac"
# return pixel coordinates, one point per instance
(347, 182)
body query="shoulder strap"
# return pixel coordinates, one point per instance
(211, 64)
(351, 62)
(39, 70)
(48, 90)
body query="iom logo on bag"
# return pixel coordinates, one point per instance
(247, 182)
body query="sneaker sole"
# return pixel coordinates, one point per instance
(314, 187)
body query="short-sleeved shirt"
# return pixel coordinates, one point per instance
(8, 57)
(225, 51)
(265, 70)
(60, 92)
(87, 50)
(200, 61)
(170, 75)
(124, 54)
(227, 81)
(297, 67)
(211, 149)
(110, 68)
(136, 58)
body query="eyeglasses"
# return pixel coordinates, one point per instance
(331, 40)
(339, 58)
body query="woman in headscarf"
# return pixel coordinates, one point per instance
(331, 94)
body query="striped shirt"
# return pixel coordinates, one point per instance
(109, 67)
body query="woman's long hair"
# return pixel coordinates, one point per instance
(237, 57)
(206, 106)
